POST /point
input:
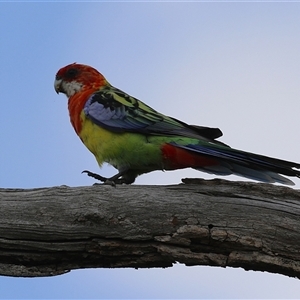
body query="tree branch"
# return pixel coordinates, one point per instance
(50, 231)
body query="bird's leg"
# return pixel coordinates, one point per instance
(112, 180)
(122, 177)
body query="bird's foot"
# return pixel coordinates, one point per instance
(110, 182)
(107, 181)
(96, 176)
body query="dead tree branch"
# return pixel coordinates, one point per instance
(50, 231)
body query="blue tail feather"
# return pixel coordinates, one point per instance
(246, 164)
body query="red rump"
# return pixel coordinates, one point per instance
(178, 158)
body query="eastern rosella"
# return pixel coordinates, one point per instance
(134, 138)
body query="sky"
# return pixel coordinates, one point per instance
(232, 65)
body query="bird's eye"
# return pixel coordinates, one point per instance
(71, 73)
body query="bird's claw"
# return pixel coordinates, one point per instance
(96, 176)
(106, 181)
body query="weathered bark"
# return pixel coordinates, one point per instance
(49, 231)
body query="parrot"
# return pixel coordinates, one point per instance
(124, 132)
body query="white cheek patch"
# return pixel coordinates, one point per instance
(71, 88)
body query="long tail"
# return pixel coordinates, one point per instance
(223, 160)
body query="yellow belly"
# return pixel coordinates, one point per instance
(122, 150)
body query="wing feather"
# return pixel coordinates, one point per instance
(115, 110)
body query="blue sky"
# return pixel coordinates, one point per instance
(235, 66)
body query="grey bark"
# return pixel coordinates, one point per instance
(50, 231)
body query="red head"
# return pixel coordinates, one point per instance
(75, 78)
